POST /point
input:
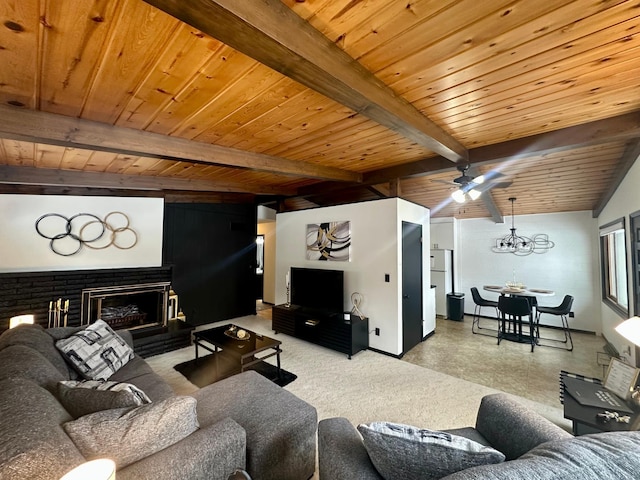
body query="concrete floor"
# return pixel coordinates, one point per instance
(510, 366)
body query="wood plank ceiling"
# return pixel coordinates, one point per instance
(349, 100)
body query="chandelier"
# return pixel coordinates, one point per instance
(520, 245)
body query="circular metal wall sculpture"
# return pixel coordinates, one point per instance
(67, 235)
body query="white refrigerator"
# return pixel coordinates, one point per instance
(442, 278)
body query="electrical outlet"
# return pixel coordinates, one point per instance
(572, 315)
(387, 278)
(378, 331)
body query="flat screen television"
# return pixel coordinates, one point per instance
(317, 289)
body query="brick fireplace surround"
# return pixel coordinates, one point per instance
(31, 292)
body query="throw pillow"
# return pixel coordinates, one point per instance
(402, 451)
(89, 396)
(127, 435)
(97, 352)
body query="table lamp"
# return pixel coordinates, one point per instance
(19, 319)
(630, 329)
(101, 469)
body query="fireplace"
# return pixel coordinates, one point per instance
(127, 306)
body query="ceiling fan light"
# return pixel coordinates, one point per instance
(458, 196)
(474, 194)
(479, 179)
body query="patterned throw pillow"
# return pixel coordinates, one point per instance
(90, 396)
(410, 453)
(97, 352)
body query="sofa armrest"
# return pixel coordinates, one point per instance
(513, 428)
(213, 452)
(341, 453)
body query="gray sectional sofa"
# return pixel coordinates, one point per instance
(242, 422)
(534, 449)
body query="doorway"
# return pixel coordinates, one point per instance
(411, 285)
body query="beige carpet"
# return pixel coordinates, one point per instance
(369, 387)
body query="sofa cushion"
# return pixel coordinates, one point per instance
(37, 338)
(127, 435)
(513, 428)
(403, 451)
(286, 448)
(602, 456)
(21, 361)
(138, 372)
(90, 396)
(33, 443)
(58, 333)
(97, 352)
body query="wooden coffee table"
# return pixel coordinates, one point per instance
(242, 350)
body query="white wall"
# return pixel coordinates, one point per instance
(571, 267)
(626, 200)
(23, 249)
(375, 251)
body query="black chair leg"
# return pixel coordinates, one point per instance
(567, 332)
(568, 341)
(475, 324)
(531, 332)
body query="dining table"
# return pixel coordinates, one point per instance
(522, 291)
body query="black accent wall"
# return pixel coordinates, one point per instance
(212, 251)
(31, 292)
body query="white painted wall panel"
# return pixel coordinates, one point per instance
(571, 267)
(22, 249)
(375, 251)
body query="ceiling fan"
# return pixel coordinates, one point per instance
(474, 186)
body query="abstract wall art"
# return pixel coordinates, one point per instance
(329, 241)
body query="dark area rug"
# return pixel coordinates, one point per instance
(204, 373)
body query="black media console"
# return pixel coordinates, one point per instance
(328, 330)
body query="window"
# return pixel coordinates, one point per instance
(614, 266)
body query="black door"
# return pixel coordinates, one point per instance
(411, 285)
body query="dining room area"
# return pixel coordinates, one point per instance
(561, 326)
(571, 266)
(519, 315)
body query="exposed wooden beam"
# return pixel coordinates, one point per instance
(169, 196)
(623, 127)
(70, 178)
(52, 129)
(614, 129)
(379, 190)
(271, 33)
(488, 200)
(631, 154)
(395, 189)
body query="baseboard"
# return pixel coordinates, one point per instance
(386, 353)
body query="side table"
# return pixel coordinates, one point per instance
(584, 419)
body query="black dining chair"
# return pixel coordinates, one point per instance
(513, 309)
(479, 303)
(561, 311)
